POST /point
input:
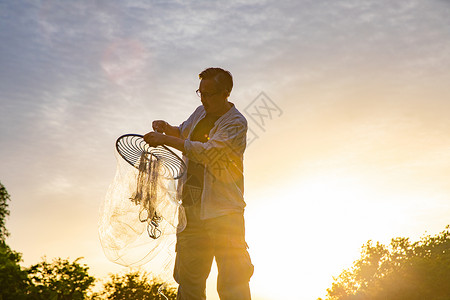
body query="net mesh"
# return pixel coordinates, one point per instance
(141, 213)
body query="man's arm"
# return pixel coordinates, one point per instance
(175, 142)
(155, 139)
(229, 140)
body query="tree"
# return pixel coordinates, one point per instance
(4, 198)
(401, 270)
(59, 280)
(135, 286)
(13, 280)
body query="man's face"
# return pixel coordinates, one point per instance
(213, 99)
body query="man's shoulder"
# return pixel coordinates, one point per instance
(197, 113)
(199, 110)
(237, 116)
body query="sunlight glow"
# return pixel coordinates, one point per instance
(304, 233)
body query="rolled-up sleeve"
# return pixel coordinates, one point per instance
(228, 140)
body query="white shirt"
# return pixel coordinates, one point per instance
(222, 155)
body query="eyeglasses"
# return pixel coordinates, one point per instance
(205, 95)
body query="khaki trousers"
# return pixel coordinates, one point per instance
(197, 245)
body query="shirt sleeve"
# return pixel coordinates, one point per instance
(229, 140)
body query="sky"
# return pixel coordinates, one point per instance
(347, 104)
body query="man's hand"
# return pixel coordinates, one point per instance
(164, 127)
(154, 139)
(160, 126)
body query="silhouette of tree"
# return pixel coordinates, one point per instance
(400, 270)
(59, 280)
(4, 212)
(134, 286)
(13, 280)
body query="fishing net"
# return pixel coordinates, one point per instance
(142, 212)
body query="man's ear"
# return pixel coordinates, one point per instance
(226, 92)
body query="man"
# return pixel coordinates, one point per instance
(213, 141)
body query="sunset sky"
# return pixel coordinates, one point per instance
(356, 147)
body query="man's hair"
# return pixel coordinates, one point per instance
(222, 77)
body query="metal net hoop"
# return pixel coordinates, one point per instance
(131, 147)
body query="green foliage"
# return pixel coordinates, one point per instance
(4, 198)
(59, 280)
(401, 270)
(134, 286)
(13, 280)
